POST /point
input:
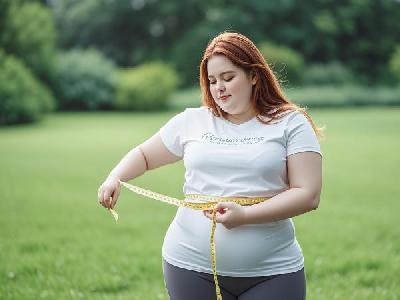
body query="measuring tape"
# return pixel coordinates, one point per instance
(209, 205)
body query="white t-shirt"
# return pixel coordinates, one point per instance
(244, 160)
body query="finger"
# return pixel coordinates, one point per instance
(222, 210)
(108, 203)
(222, 218)
(106, 198)
(115, 197)
(208, 215)
(224, 205)
(99, 194)
(102, 198)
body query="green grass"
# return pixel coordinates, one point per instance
(56, 242)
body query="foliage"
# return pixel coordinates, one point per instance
(130, 32)
(29, 34)
(395, 63)
(133, 32)
(4, 7)
(22, 98)
(85, 80)
(146, 87)
(188, 51)
(344, 96)
(286, 63)
(333, 73)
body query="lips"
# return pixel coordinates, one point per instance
(224, 98)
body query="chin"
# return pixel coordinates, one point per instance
(228, 111)
(226, 108)
(231, 111)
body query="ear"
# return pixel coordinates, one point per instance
(253, 77)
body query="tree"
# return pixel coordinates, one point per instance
(28, 33)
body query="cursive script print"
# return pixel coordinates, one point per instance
(211, 138)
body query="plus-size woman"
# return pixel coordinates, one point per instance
(246, 140)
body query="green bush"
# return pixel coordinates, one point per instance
(85, 80)
(344, 96)
(188, 50)
(333, 73)
(22, 97)
(146, 87)
(29, 34)
(394, 63)
(286, 63)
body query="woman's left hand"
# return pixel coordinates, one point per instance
(229, 214)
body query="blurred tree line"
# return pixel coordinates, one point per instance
(361, 34)
(132, 54)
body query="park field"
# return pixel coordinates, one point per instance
(57, 242)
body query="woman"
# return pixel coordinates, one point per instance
(246, 140)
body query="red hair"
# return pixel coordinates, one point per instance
(267, 97)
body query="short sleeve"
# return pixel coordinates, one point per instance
(172, 134)
(300, 135)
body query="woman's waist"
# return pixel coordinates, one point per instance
(189, 237)
(203, 201)
(193, 225)
(219, 191)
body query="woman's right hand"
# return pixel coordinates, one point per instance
(110, 188)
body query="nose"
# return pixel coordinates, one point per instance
(220, 86)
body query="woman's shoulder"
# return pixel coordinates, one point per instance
(199, 112)
(200, 109)
(297, 116)
(282, 118)
(292, 115)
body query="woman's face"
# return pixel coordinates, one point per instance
(230, 86)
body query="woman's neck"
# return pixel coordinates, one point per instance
(241, 118)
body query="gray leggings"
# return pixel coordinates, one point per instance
(184, 284)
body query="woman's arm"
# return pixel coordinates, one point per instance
(305, 181)
(147, 156)
(303, 195)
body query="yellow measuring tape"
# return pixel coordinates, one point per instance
(209, 205)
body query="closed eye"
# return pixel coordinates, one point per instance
(227, 80)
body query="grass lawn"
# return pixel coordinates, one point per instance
(56, 242)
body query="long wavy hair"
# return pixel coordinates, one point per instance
(267, 97)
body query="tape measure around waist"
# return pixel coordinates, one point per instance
(209, 205)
